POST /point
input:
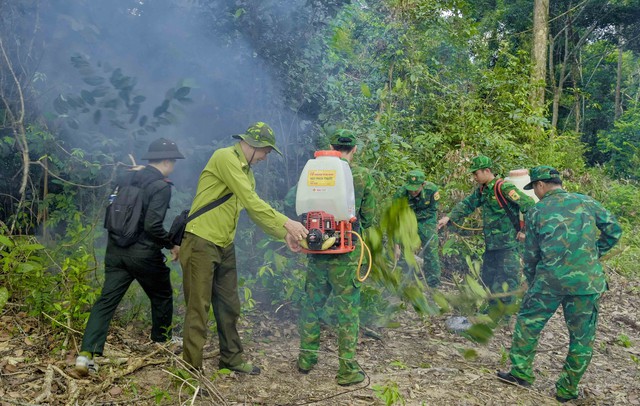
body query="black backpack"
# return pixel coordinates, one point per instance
(123, 215)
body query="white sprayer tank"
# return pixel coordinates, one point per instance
(326, 184)
(520, 177)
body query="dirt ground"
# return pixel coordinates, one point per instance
(420, 361)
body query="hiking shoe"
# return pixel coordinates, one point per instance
(351, 379)
(507, 377)
(244, 368)
(85, 364)
(304, 365)
(564, 400)
(304, 368)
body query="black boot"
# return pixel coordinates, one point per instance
(507, 377)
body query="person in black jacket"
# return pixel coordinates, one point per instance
(142, 261)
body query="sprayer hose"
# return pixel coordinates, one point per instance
(465, 228)
(364, 246)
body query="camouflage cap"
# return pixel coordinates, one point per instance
(480, 162)
(541, 172)
(259, 135)
(415, 180)
(342, 137)
(162, 148)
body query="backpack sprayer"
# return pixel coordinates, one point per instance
(325, 202)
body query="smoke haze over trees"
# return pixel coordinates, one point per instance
(424, 85)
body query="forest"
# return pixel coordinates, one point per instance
(85, 86)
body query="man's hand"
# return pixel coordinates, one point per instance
(292, 243)
(520, 236)
(175, 253)
(296, 229)
(443, 222)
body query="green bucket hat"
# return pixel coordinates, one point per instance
(345, 138)
(259, 135)
(480, 162)
(415, 180)
(541, 172)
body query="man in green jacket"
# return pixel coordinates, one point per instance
(567, 233)
(423, 197)
(501, 262)
(208, 256)
(336, 273)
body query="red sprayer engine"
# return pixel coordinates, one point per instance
(326, 236)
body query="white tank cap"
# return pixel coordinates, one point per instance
(518, 172)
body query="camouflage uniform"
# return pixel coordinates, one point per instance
(336, 274)
(425, 207)
(501, 261)
(562, 267)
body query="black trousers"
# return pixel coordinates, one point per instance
(151, 272)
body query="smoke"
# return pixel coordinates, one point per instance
(162, 43)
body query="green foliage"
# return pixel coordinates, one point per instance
(4, 297)
(619, 196)
(622, 146)
(23, 272)
(469, 354)
(159, 395)
(78, 295)
(398, 364)
(389, 393)
(623, 340)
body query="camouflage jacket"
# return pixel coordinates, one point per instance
(365, 200)
(425, 205)
(563, 245)
(499, 232)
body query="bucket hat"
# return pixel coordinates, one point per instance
(162, 148)
(259, 135)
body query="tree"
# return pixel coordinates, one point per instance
(539, 54)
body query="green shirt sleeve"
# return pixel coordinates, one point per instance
(365, 196)
(466, 206)
(517, 196)
(610, 229)
(228, 171)
(532, 254)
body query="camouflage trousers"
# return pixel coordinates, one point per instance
(581, 317)
(431, 266)
(502, 269)
(331, 274)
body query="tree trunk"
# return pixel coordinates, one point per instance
(618, 101)
(539, 53)
(576, 74)
(558, 89)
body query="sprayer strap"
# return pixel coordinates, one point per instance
(504, 203)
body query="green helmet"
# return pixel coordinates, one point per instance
(415, 179)
(259, 135)
(480, 162)
(541, 173)
(342, 137)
